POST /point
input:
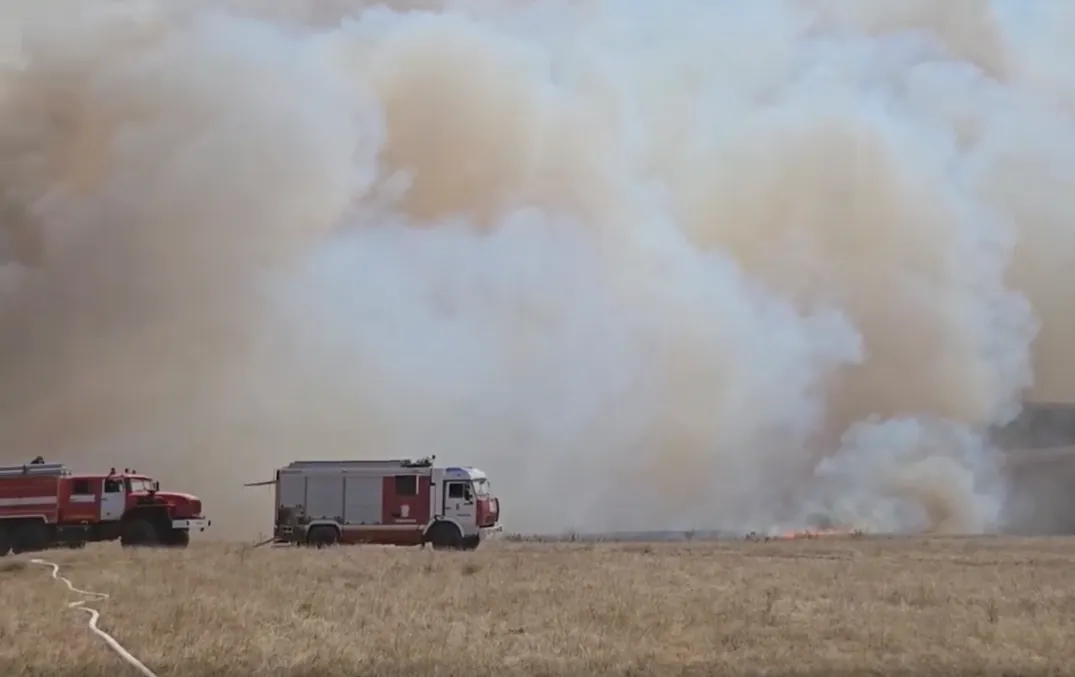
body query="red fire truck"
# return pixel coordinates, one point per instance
(45, 505)
(390, 502)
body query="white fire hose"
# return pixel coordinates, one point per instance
(94, 615)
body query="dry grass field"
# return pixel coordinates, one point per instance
(820, 607)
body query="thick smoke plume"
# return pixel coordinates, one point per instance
(651, 265)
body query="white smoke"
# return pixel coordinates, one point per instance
(673, 265)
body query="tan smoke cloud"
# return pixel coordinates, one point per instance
(693, 265)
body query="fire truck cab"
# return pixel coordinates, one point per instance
(45, 505)
(390, 502)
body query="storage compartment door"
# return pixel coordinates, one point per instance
(363, 502)
(324, 497)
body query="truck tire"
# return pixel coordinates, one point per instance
(5, 540)
(445, 536)
(322, 536)
(139, 532)
(29, 537)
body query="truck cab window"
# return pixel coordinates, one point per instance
(81, 487)
(406, 485)
(459, 490)
(113, 486)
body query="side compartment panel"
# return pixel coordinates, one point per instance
(406, 499)
(324, 497)
(291, 490)
(80, 500)
(362, 501)
(422, 504)
(30, 496)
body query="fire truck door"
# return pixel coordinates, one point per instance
(113, 500)
(459, 501)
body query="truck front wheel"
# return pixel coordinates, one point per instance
(445, 536)
(5, 540)
(139, 532)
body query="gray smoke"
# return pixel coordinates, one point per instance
(713, 265)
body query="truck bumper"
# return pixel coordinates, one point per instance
(483, 534)
(286, 533)
(490, 532)
(197, 524)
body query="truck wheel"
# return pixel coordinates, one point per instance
(323, 536)
(178, 538)
(29, 537)
(445, 536)
(139, 532)
(5, 541)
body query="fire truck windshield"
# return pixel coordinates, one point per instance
(481, 487)
(138, 484)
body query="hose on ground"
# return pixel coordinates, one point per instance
(94, 616)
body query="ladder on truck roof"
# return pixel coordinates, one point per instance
(381, 463)
(34, 469)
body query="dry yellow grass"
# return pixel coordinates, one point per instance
(824, 607)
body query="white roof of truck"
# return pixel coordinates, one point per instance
(463, 473)
(387, 466)
(365, 463)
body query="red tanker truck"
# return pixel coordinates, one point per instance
(45, 505)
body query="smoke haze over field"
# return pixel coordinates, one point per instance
(651, 265)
